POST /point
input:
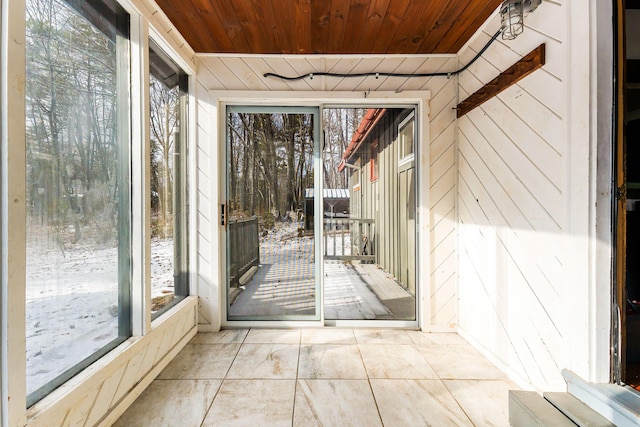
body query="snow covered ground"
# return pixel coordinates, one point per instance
(72, 304)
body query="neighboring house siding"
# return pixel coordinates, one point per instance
(246, 73)
(380, 199)
(523, 254)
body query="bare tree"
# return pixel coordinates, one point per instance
(164, 124)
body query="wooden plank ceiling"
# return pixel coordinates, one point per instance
(327, 26)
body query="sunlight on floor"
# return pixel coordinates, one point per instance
(336, 377)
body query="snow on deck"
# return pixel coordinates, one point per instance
(284, 283)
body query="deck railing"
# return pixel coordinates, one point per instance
(244, 248)
(349, 239)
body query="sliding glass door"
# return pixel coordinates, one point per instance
(272, 253)
(320, 228)
(369, 210)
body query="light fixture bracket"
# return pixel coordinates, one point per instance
(512, 14)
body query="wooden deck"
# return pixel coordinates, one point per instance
(351, 292)
(400, 303)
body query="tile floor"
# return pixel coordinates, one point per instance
(324, 377)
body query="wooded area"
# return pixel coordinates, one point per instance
(270, 159)
(72, 114)
(165, 124)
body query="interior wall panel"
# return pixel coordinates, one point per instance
(517, 237)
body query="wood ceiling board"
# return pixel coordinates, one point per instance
(390, 24)
(181, 16)
(445, 24)
(302, 16)
(198, 16)
(475, 15)
(371, 30)
(205, 25)
(327, 26)
(257, 31)
(418, 20)
(320, 23)
(337, 24)
(355, 24)
(284, 14)
(228, 18)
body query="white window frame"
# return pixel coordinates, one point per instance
(404, 160)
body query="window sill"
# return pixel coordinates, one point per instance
(95, 387)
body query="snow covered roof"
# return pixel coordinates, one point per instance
(329, 193)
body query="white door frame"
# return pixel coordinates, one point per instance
(218, 100)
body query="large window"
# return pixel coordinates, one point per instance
(168, 101)
(77, 187)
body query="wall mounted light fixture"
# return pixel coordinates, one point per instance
(512, 16)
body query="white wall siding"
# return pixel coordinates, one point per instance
(245, 73)
(205, 223)
(442, 207)
(519, 179)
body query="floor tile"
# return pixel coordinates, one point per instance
(265, 361)
(229, 336)
(318, 377)
(395, 361)
(459, 362)
(381, 336)
(417, 403)
(438, 338)
(486, 402)
(327, 336)
(273, 336)
(335, 403)
(331, 361)
(253, 403)
(201, 361)
(165, 402)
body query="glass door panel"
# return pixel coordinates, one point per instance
(369, 214)
(272, 273)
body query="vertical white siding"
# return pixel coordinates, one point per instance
(523, 196)
(245, 73)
